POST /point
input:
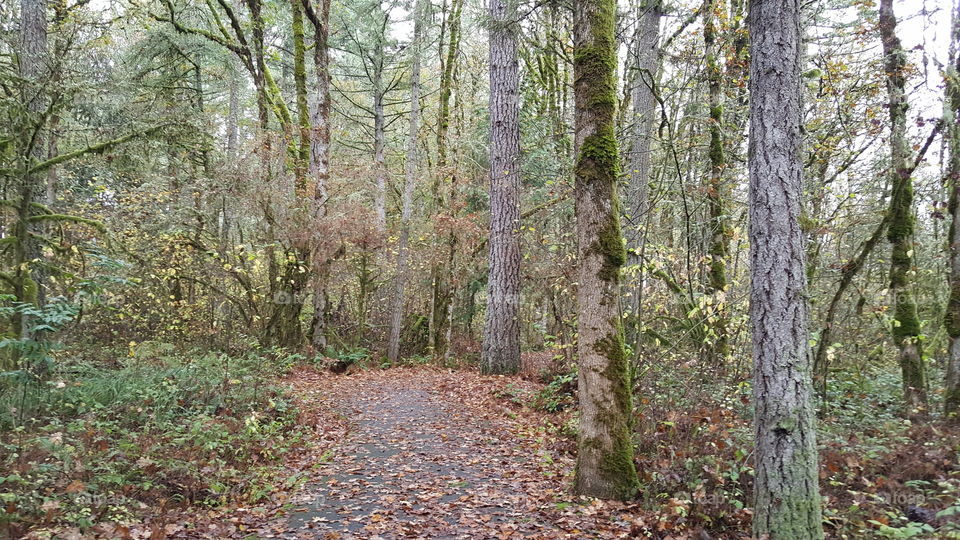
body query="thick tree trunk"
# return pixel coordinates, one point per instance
(786, 494)
(396, 316)
(501, 336)
(29, 277)
(906, 324)
(951, 398)
(605, 466)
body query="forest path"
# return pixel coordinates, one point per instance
(423, 462)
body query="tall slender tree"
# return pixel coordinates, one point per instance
(410, 179)
(718, 229)
(906, 321)
(378, 61)
(441, 271)
(319, 165)
(605, 466)
(951, 109)
(637, 204)
(786, 494)
(501, 336)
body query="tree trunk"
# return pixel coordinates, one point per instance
(396, 317)
(441, 270)
(446, 87)
(906, 323)
(640, 162)
(379, 142)
(319, 165)
(786, 494)
(718, 228)
(605, 466)
(951, 398)
(501, 336)
(302, 152)
(233, 130)
(29, 278)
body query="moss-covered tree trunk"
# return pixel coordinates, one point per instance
(951, 398)
(718, 227)
(443, 192)
(786, 494)
(906, 322)
(605, 466)
(301, 154)
(501, 330)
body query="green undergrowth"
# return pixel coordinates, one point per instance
(108, 442)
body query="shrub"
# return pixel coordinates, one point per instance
(103, 444)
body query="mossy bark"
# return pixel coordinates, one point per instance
(787, 502)
(719, 232)
(906, 329)
(443, 192)
(301, 153)
(283, 327)
(605, 466)
(951, 398)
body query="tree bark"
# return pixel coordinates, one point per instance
(786, 494)
(302, 152)
(719, 232)
(233, 135)
(906, 323)
(29, 278)
(951, 398)
(605, 465)
(647, 64)
(379, 140)
(501, 336)
(441, 272)
(446, 88)
(319, 165)
(396, 316)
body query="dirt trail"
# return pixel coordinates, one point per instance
(419, 465)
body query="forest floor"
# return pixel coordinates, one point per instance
(430, 453)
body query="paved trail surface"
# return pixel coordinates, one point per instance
(420, 465)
